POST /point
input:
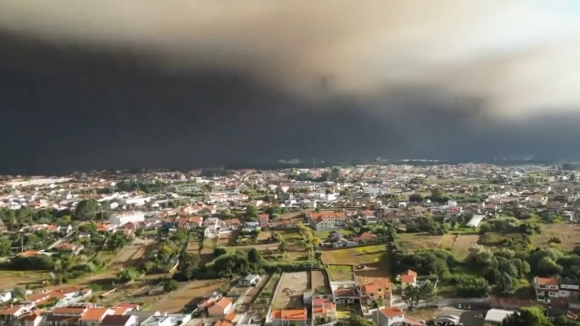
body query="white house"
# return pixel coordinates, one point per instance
(124, 218)
(5, 296)
(389, 316)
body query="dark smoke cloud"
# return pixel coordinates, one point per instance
(102, 86)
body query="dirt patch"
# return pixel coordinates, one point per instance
(372, 273)
(569, 235)
(320, 283)
(417, 241)
(292, 287)
(193, 246)
(192, 292)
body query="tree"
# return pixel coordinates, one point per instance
(19, 292)
(411, 296)
(528, 316)
(251, 211)
(254, 256)
(572, 177)
(127, 275)
(438, 195)
(4, 247)
(219, 251)
(427, 291)
(316, 241)
(86, 209)
(170, 285)
(188, 263)
(417, 198)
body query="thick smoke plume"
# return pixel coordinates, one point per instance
(519, 57)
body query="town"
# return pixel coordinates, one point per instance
(365, 245)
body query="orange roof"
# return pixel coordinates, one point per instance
(369, 288)
(547, 281)
(409, 272)
(95, 314)
(392, 312)
(222, 323)
(223, 302)
(231, 317)
(29, 253)
(408, 278)
(298, 314)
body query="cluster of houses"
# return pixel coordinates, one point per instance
(374, 298)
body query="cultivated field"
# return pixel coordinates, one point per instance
(193, 246)
(319, 282)
(176, 301)
(338, 273)
(374, 258)
(355, 256)
(228, 239)
(11, 279)
(417, 241)
(569, 234)
(293, 239)
(292, 287)
(129, 256)
(209, 244)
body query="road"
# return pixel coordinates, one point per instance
(446, 302)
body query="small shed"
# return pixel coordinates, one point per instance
(496, 316)
(475, 221)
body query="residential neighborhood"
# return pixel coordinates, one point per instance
(391, 244)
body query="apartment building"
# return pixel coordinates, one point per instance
(548, 288)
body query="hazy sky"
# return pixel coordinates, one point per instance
(188, 83)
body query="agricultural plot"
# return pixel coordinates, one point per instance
(417, 241)
(209, 244)
(319, 282)
(292, 287)
(293, 239)
(10, 279)
(338, 273)
(176, 301)
(374, 258)
(355, 256)
(568, 234)
(228, 239)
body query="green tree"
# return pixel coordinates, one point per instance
(411, 296)
(127, 275)
(251, 211)
(87, 209)
(528, 316)
(254, 256)
(170, 285)
(219, 251)
(188, 263)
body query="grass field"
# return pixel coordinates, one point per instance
(569, 234)
(292, 287)
(176, 301)
(417, 241)
(324, 234)
(338, 273)
(459, 244)
(462, 244)
(354, 256)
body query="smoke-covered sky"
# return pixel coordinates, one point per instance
(180, 83)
